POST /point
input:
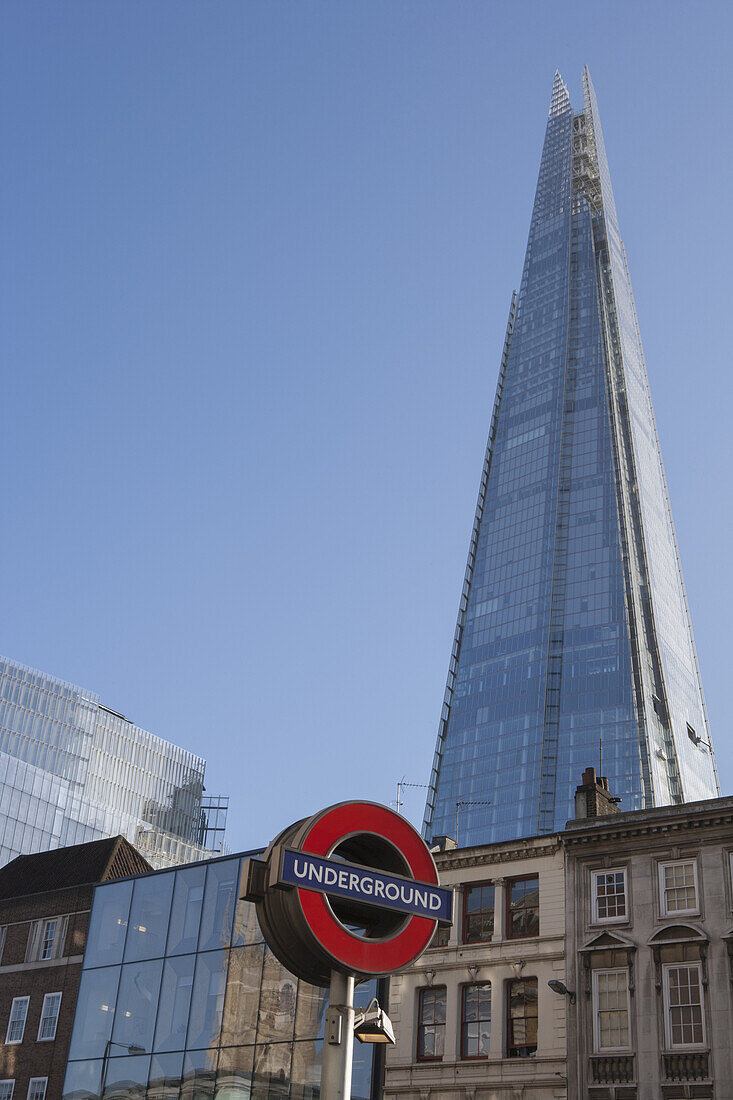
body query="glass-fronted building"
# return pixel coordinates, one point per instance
(180, 990)
(71, 771)
(573, 645)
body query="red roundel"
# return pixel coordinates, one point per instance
(352, 951)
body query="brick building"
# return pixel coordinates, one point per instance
(45, 900)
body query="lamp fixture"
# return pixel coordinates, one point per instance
(562, 989)
(373, 1025)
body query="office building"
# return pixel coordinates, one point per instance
(72, 770)
(649, 922)
(44, 913)
(475, 1016)
(180, 996)
(573, 643)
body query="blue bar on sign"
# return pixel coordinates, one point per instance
(362, 884)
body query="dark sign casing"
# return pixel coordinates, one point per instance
(353, 888)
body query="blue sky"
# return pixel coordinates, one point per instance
(257, 264)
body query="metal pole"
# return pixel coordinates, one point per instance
(338, 1046)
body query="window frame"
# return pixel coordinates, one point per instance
(420, 1025)
(468, 886)
(8, 1081)
(666, 967)
(51, 946)
(49, 1038)
(32, 1081)
(597, 1048)
(15, 1042)
(595, 872)
(663, 910)
(508, 1020)
(462, 1045)
(508, 907)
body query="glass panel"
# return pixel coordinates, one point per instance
(246, 926)
(164, 1082)
(311, 1010)
(137, 1002)
(188, 899)
(126, 1078)
(149, 914)
(208, 1000)
(175, 999)
(108, 924)
(199, 1075)
(271, 1080)
(83, 1080)
(242, 995)
(277, 1002)
(306, 1071)
(95, 1007)
(234, 1077)
(222, 881)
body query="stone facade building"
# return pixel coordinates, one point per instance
(649, 921)
(45, 901)
(475, 1016)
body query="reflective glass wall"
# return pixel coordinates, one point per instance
(180, 990)
(573, 646)
(71, 771)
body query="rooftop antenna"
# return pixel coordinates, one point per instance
(459, 806)
(401, 785)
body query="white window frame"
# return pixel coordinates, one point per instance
(48, 1038)
(17, 1000)
(667, 1007)
(9, 1081)
(662, 895)
(33, 1081)
(594, 888)
(598, 1049)
(55, 921)
(3, 930)
(37, 934)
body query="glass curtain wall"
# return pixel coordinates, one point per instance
(180, 989)
(71, 771)
(573, 646)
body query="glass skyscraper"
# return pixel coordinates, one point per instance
(71, 770)
(573, 645)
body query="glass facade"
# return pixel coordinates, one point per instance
(72, 771)
(573, 645)
(178, 985)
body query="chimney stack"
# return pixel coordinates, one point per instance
(593, 798)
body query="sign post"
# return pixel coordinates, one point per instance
(349, 894)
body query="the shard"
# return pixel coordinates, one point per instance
(573, 645)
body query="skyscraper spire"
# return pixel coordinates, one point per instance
(573, 635)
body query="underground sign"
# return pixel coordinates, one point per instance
(353, 888)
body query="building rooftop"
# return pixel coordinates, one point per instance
(77, 865)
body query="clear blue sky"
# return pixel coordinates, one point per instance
(257, 261)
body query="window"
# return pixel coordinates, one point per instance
(6, 1088)
(678, 887)
(611, 1009)
(49, 1017)
(478, 913)
(441, 936)
(683, 1010)
(46, 939)
(475, 1020)
(521, 1011)
(37, 1088)
(16, 1023)
(48, 935)
(523, 907)
(3, 930)
(431, 1024)
(609, 895)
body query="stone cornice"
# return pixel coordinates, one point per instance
(658, 823)
(460, 859)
